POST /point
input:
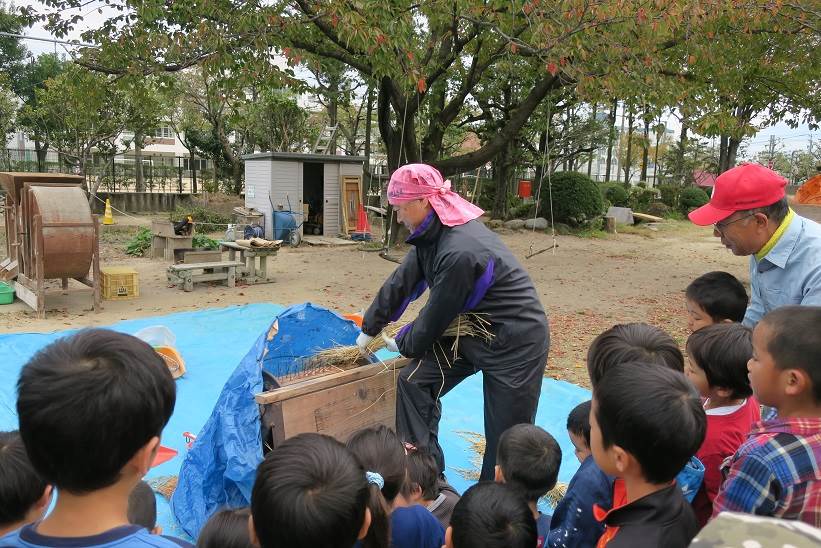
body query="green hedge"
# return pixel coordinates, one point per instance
(692, 197)
(576, 199)
(615, 194)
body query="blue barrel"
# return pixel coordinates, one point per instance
(284, 223)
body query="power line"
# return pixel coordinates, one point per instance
(51, 40)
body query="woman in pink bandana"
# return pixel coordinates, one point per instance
(467, 268)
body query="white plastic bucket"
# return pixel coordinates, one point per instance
(157, 335)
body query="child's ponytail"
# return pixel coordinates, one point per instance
(382, 455)
(379, 533)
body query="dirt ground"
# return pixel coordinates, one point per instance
(586, 285)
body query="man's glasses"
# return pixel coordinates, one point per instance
(720, 226)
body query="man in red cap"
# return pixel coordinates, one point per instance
(750, 213)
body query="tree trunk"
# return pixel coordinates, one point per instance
(732, 151)
(645, 144)
(501, 175)
(333, 108)
(236, 176)
(590, 159)
(394, 139)
(542, 148)
(368, 124)
(656, 158)
(612, 119)
(682, 146)
(501, 165)
(628, 160)
(139, 177)
(722, 154)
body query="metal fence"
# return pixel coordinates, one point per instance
(181, 174)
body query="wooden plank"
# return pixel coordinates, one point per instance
(315, 384)
(272, 417)
(341, 410)
(646, 217)
(215, 277)
(40, 290)
(195, 266)
(190, 257)
(24, 293)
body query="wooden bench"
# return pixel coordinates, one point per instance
(187, 274)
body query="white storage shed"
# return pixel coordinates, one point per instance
(327, 189)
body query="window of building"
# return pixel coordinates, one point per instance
(195, 163)
(164, 132)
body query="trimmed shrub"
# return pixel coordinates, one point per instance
(692, 197)
(522, 211)
(615, 194)
(576, 198)
(641, 198)
(659, 209)
(670, 194)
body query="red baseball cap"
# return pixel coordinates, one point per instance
(747, 186)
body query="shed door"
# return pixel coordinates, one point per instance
(351, 185)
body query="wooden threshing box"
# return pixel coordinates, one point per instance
(336, 404)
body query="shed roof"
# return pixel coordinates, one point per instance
(303, 157)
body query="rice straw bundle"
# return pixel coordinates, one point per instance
(164, 485)
(469, 324)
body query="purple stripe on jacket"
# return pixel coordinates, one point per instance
(480, 289)
(403, 331)
(415, 294)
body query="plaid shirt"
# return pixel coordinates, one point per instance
(776, 472)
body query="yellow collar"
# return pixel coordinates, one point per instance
(776, 236)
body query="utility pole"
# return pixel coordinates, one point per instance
(772, 151)
(793, 174)
(618, 153)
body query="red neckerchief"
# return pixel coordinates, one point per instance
(619, 500)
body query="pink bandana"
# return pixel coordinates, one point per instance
(417, 181)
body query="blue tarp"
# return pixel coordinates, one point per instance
(220, 468)
(214, 341)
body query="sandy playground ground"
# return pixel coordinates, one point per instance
(586, 285)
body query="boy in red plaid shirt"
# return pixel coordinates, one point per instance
(777, 471)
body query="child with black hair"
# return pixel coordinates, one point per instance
(645, 423)
(142, 508)
(394, 523)
(226, 529)
(777, 470)
(310, 492)
(647, 344)
(423, 486)
(92, 407)
(717, 358)
(715, 297)
(24, 495)
(528, 460)
(491, 515)
(632, 342)
(573, 523)
(142, 511)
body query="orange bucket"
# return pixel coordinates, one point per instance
(172, 358)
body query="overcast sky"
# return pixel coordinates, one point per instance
(787, 139)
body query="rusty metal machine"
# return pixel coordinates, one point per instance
(50, 234)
